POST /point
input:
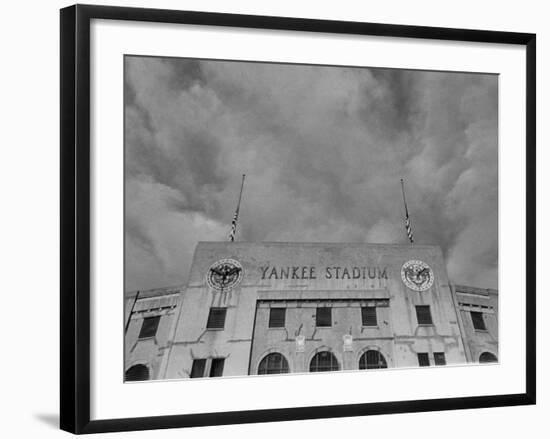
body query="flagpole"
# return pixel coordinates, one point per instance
(408, 227)
(236, 216)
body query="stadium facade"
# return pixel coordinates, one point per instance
(266, 308)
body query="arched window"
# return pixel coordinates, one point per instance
(372, 360)
(138, 372)
(323, 361)
(487, 357)
(272, 364)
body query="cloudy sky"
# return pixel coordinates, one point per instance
(323, 149)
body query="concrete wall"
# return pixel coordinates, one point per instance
(149, 351)
(191, 340)
(301, 283)
(300, 273)
(301, 320)
(485, 301)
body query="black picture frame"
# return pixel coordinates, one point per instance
(75, 217)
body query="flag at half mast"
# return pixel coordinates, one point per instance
(236, 216)
(408, 227)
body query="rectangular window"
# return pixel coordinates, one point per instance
(197, 370)
(423, 315)
(423, 359)
(478, 321)
(216, 369)
(368, 315)
(277, 317)
(439, 359)
(323, 317)
(216, 318)
(149, 327)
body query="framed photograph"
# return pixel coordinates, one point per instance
(248, 201)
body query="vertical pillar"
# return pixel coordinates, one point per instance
(300, 365)
(348, 355)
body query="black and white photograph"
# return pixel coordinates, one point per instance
(275, 219)
(294, 218)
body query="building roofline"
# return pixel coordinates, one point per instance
(315, 244)
(474, 290)
(153, 292)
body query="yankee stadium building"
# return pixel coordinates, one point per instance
(265, 308)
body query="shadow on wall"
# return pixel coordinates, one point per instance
(49, 419)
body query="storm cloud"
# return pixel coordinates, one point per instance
(323, 149)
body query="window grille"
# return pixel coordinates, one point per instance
(323, 317)
(423, 359)
(368, 315)
(273, 364)
(216, 318)
(323, 362)
(149, 327)
(197, 370)
(216, 368)
(423, 315)
(478, 321)
(372, 360)
(439, 359)
(277, 317)
(487, 357)
(138, 372)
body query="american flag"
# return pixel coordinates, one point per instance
(236, 216)
(408, 227)
(234, 226)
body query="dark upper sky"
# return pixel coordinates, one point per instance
(323, 149)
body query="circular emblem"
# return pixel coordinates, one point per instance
(417, 275)
(224, 274)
